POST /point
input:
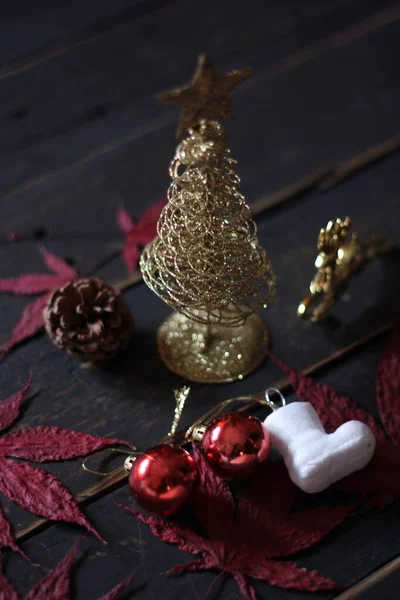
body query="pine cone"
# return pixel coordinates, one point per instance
(89, 319)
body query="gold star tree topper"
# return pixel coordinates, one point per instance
(207, 97)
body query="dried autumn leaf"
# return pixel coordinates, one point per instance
(9, 410)
(281, 502)
(42, 443)
(31, 487)
(259, 527)
(138, 234)
(283, 574)
(333, 408)
(8, 592)
(278, 536)
(113, 594)
(57, 265)
(6, 537)
(32, 320)
(56, 585)
(124, 220)
(388, 386)
(236, 534)
(378, 483)
(30, 323)
(41, 493)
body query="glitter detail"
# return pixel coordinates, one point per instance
(208, 265)
(198, 352)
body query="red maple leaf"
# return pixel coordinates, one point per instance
(378, 484)
(251, 539)
(248, 540)
(56, 585)
(138, 234)
(31, 487)
(35, 283)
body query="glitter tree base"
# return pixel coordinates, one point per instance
(211, 353)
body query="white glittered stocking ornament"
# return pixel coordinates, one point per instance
(314, 458)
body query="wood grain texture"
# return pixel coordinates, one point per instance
(123, 395)
(381, 583)
(118, 476)
(322, 179)
(88, 85)
(54, 30)
(121, 399)
(291, 147)
(131, 545)
(81, 135)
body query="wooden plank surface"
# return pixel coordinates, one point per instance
(32, 34)
(135, 547)
(291, 147)
(93, 81)
(382, 583)
(92, 138)
(121, 401)
(118, 475)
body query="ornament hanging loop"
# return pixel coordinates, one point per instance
(195, 433)
(128, 464)
(181, 396)
(270, 403)
(198, 432)
(131, 458)
(180, 399)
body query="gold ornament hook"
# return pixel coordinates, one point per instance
(131, 454)
(196, 431)
(180, 399)
(338, 260)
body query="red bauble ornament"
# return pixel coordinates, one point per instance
(235, 444)
(163, 478)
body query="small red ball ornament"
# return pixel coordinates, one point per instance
(235, 444)
(163, 478)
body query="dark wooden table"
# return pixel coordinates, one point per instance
(82, 133)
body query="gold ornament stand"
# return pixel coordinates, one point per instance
(211, 353)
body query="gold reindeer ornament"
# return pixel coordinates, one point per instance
(339, 258)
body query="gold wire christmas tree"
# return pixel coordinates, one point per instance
(206, 261)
